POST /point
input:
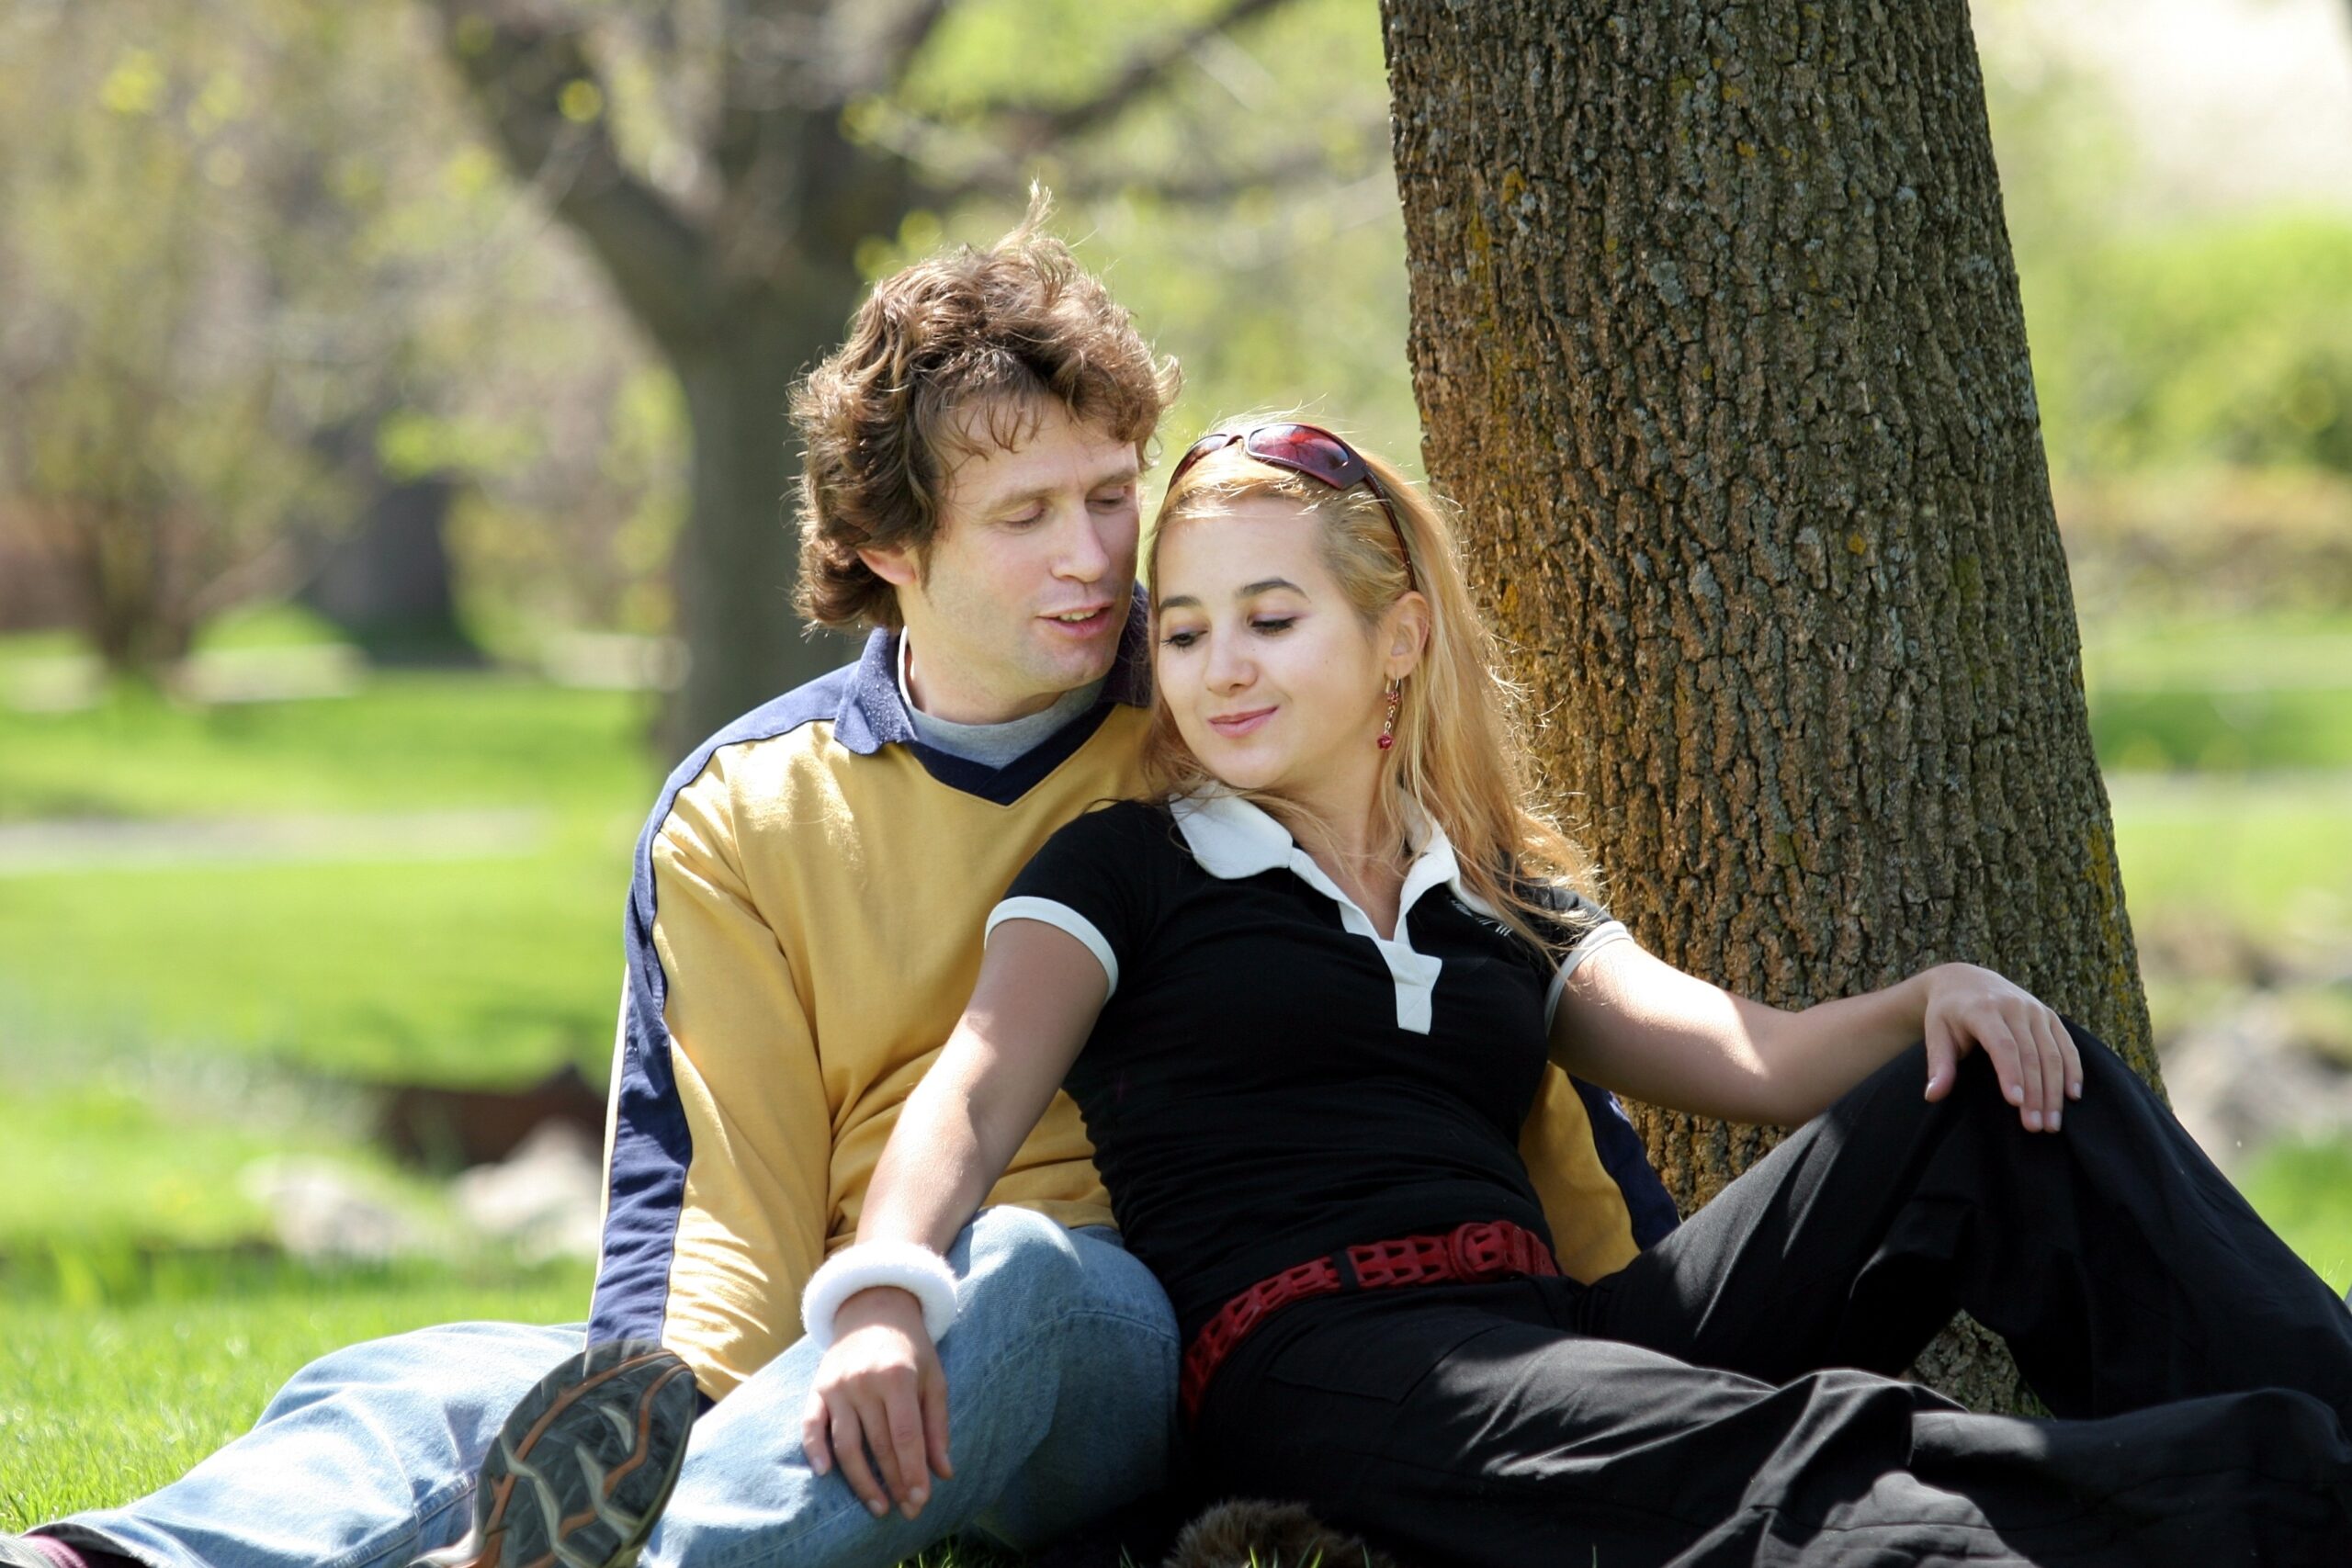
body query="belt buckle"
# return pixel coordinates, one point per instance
(1476, 1252)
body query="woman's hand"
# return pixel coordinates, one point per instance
(880, 1388)
(2035, 1057)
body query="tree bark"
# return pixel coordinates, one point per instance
(1718, 343)
(736, 563)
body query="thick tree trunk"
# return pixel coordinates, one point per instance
(389, 584)
(736, 563)
(1718, 343)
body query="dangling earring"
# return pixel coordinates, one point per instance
(1388, 725)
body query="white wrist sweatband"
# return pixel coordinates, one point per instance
(914, 1269)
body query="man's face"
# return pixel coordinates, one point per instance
(1028, 581)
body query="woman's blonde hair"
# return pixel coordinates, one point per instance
(1460, 752)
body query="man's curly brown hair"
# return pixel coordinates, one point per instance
(948, 354)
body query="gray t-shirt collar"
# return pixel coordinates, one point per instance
(993, 745)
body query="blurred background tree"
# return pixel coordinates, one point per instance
(155, 441)
(270, 310)
(739, 168)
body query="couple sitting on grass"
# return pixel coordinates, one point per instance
(1242, 904)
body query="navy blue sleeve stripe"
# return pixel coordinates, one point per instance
(651, 1149)
(653, 1144)
(1648, 1203)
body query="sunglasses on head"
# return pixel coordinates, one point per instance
(1305, 449)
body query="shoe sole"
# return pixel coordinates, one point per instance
(584, 1465)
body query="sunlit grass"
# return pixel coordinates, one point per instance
(492, 970)
(100, 1404)
(2246, 694)
(2266, 650)
(129, 1157)
(2225, 732)
(405, 740)
(2305, 1190)
(2261, 855)
(486, 951)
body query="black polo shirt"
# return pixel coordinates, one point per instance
(1269, 1080)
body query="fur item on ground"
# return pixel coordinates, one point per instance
(1246, 1533)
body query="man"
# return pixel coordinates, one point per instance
(804, 927)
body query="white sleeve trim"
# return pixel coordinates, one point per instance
(1593, 940)
(912, 1267)
(1062, 918)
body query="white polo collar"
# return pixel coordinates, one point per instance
(1233, 837)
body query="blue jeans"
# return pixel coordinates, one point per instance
(1061, 1378)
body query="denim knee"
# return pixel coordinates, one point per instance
(487, 1361)
(1015, 1259)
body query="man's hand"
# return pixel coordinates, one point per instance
(2032, 1052)
(880, 1388)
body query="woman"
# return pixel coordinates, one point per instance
(1305, 1003)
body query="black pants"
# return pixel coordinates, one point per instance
(1728, 1397)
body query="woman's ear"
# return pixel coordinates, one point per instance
(1407, 635)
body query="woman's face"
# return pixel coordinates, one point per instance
(1272, 681)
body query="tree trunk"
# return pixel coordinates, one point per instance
(1718, 343)
(387, 585)
(737, 562)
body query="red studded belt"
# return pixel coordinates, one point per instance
(1492, 1249)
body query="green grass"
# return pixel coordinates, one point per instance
(159, 1155)
(491, 962)
(2265, 691)
(406, 741)
(100, 1404)
(2225, 732)
(2227, 747)
(487, 971)
(2305, 1190)
(2263, 855)
(2217, 653)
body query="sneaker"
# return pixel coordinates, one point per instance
(582, 1467)
(27, 1551)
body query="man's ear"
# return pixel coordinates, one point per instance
(894, 565)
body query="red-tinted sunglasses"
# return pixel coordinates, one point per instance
(1310, 450)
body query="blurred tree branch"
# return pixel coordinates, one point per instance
(906, 37)
(1031, 130)
(523, 61)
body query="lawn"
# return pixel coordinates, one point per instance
(101, 1404)
(171, 1154)
(2305, 1190)
(422, 881)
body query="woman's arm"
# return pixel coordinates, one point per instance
(1635, 1023)
(879, 1386)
